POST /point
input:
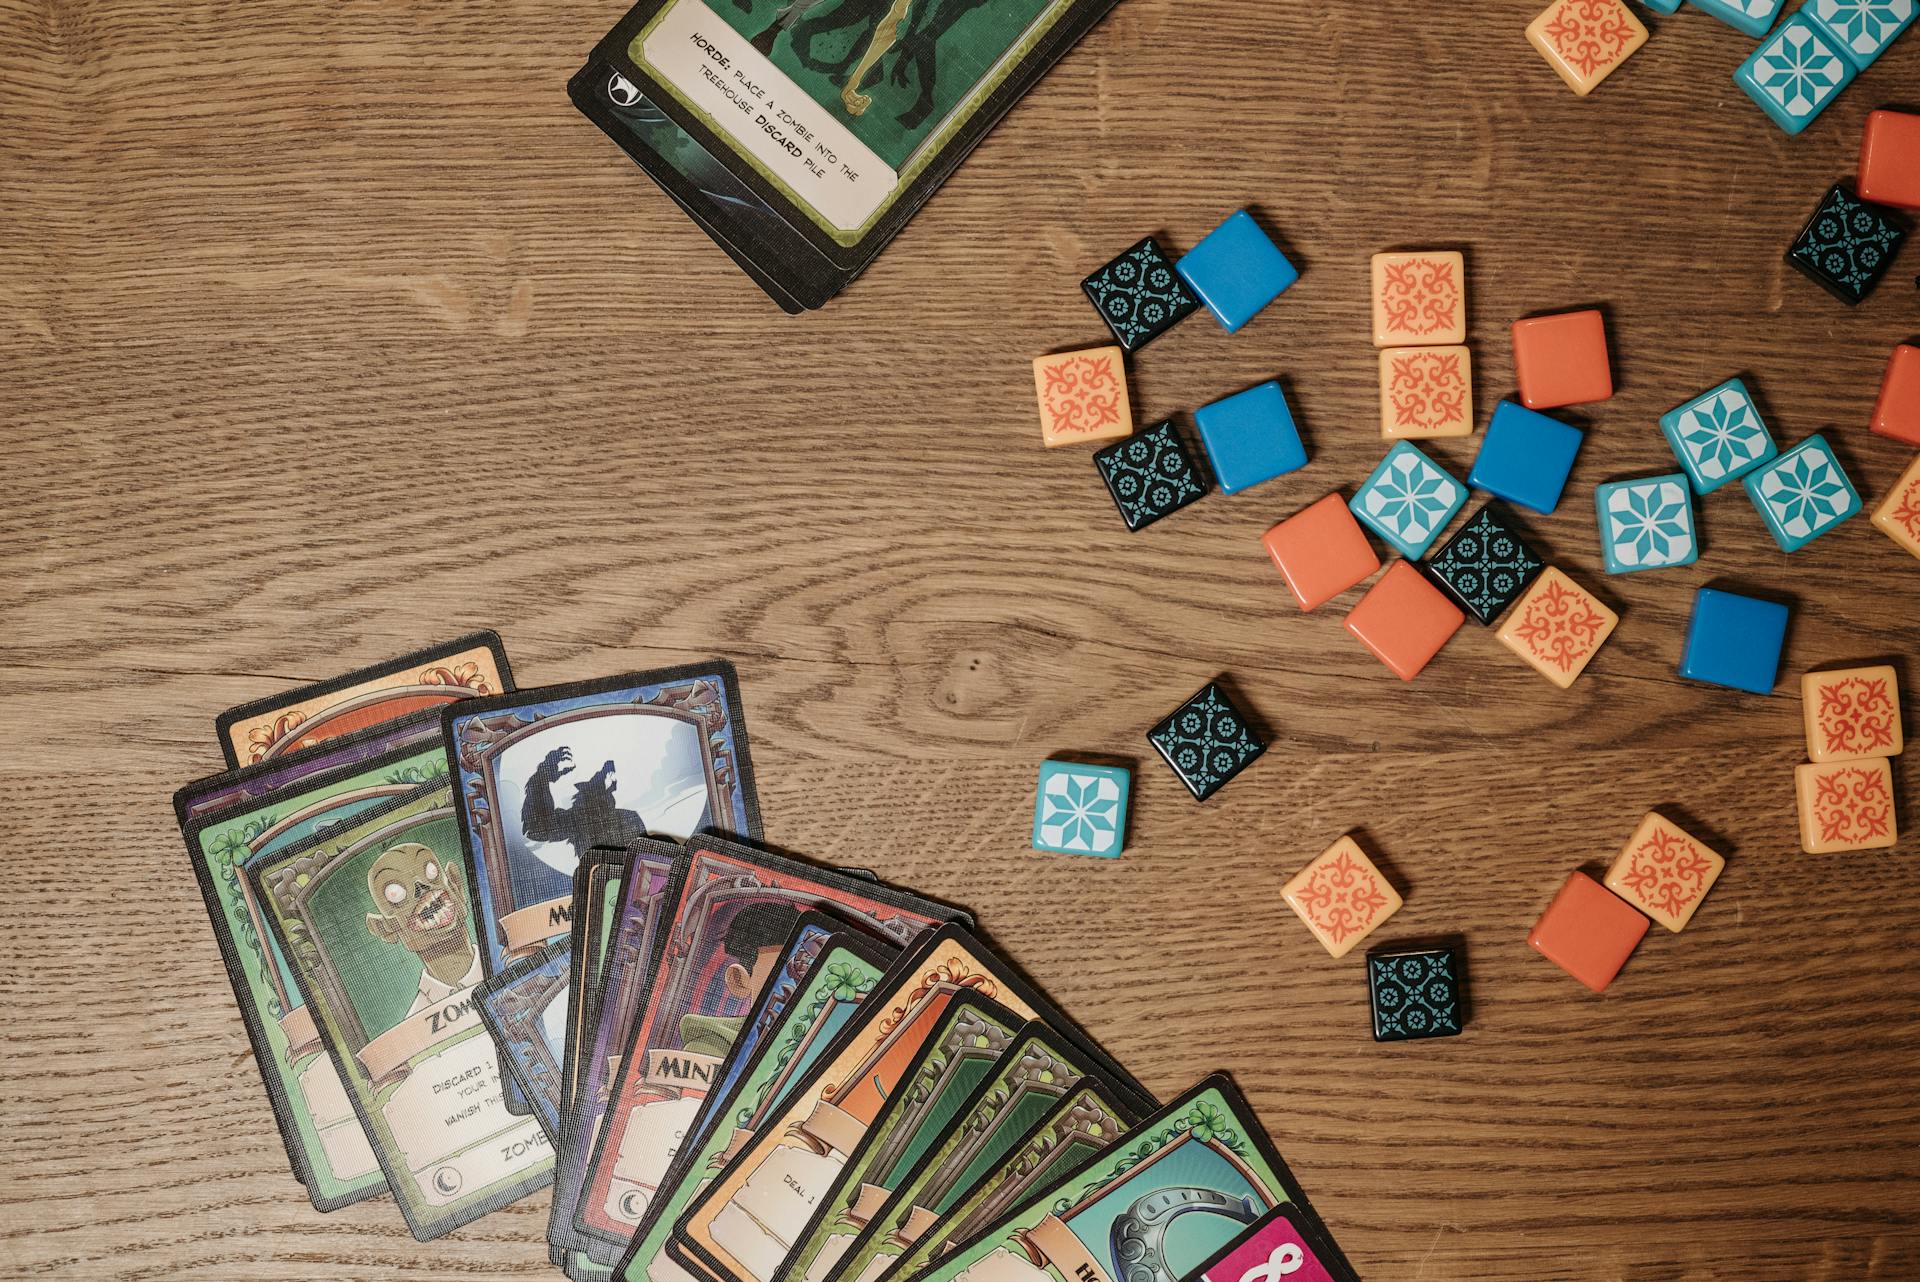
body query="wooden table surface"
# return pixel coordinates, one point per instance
(331, 331)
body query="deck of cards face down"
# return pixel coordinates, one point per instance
(801, 135)
(487, 940)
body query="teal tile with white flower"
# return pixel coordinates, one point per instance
(1863, 28)
(1080, 809)
(1647, 524)
(1796, 72)
(1719, 436)
(1755, 17)
(1408, 500)
(1802, 494)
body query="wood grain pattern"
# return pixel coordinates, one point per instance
(331, 331)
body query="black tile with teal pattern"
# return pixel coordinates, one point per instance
(1150, 475)
(1139, 295)
(1415, 993)
(1207, 741)
(1486, 566)
(1848, 245)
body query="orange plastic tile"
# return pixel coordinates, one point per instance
(1664, 872)
(1404, 620)
(1898, 515)
(1083, 396)
(1557, 626)
(1588, 931)
(1562, 360)
(1852, 712)
(1586, 40)
(1419, 299)
(1890, 159)
(1846, 805)
(1341, 896)
(1322, 551)
(1897, 412)
(1425, 392)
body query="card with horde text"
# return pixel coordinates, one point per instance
(268, 809)
(632, 954)
(1202, 1163)
(744, 1224)
(545, 775)
(755, 1084)
(374, 921)
(1282, 1246)
(731, 911)
(273, 727)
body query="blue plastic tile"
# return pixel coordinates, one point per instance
(1662, 6)
(1250, 437)
(1408, 500)
(1862, 28)
(1646, 524)
(1734, 641)
(1081, 810)
(1236, 271)
(1795, 73)
(1526, 457)
(1755, 17)
(1802, 494)
(1718, 436)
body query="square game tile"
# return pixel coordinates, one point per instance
(1426, 392)
(1848, 245)
(1408, 500)
(1896, 411)
(1588, 931)
(1486, 565)
(1734, 641)
(1754, 17)
(1083, 396)
(1898, 516)
(1236, 271)
(1889, 142)
(1647, 524)
(1081, 809)
(1321, 551)
(1795, 73)
(1151, 475)
(1526, 457)
(1853, 712)
(1558, 626)
(1341, 896)
(1846, 805)
(1802, 494)
(1862, 28)
(1404, 620)
(1207, 742)
(1419, 299)
(1415, 993)
(1585, 41)
(1718, 436)
(1562, 359)
(1139, 295)
(1664, 872)
(1250, 437)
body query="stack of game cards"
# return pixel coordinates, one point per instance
(801, 135)
(732, 1066)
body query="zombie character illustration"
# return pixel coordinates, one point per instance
(915, 55)
(591, 820)
(756, 938)
(420, 904)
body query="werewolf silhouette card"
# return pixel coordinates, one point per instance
(544, 775)
(372, 917)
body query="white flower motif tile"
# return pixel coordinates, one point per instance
(1408, 500)
(1718, 436)
(1755, 17)
(1796, 72)
(1080, 809)
(1803, 494)
(1646, 525)
(1863, 28)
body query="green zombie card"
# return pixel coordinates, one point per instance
(375, 921)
